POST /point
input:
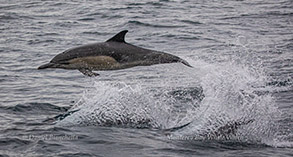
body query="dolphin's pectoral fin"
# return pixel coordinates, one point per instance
(169, 130)
(176, 128)
(59, 117)
(88, 72)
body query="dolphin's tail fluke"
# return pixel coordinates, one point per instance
(45, 66)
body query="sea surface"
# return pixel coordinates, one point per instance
(242, 57)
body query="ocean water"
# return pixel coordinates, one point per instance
(241, 52)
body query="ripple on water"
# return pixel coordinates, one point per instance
(28, 108)
(139, 23)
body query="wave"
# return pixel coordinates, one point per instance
(191, 22)
(35, 108)
(154, 25)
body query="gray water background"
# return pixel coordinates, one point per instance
(235, 47)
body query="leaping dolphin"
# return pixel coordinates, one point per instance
(113, 54)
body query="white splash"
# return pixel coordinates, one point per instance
(232, 93)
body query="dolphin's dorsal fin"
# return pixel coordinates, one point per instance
(118, 37)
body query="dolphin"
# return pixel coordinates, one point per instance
(113, 54)
(225, 131)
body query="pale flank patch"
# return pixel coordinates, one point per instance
(95, 62)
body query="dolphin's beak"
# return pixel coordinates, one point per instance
(45, 66)
(185, 63)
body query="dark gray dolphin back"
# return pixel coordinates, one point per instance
(95, 49)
